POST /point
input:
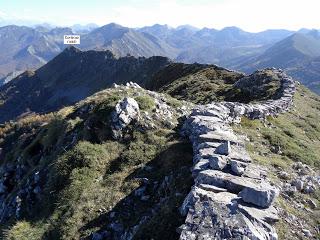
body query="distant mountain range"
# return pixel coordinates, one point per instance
(122, 41)
(27, 48)
(297, 52)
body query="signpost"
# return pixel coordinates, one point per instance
(71, 39)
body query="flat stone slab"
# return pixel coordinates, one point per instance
(261, 195)
(219, 107)
(269, 215)
(255, 172)
(225, 180)
(208, 112)
(238, 167)
(201, 165)
(222, 197)
(219, 136)
(207, 145)
(206, 152)
(239, 153)
(212, 188)
(202, 118)
(218, 162)
(224, 148)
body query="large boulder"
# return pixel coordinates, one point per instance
(125, 111)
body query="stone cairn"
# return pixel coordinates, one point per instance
(232, 197)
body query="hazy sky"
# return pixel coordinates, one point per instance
(251, 15)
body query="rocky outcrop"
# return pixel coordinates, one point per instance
(125, 111)
(302, 179)
(231, 198)
(10, 197)
(270, 107)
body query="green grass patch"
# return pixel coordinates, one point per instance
(146, 103)
(24, 230)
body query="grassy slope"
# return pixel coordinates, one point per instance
(298, 134)
(89, 179)
(194, 82)
(259, 86)
(202, 84)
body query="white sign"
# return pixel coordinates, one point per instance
(71, 39)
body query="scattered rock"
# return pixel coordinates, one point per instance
(298, 184)
(309, 189)
(306, 232)
(276, 149)
(284, 175)
(312, 203)
(289, 189)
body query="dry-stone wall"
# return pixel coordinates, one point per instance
(231, 198)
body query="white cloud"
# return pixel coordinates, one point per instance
(2, 14)
(251, 15)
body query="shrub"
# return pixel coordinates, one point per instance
(138, 152)
(24, 231)
(173, 102)
(55, 129)
(103, 109)
(83, 155)
(146, 103)
(246, 122)
(290, 147)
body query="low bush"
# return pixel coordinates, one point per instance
(146, 103)
(24, 230)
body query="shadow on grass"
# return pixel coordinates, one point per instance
(154, 206)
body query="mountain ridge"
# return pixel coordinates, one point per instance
(70, 77)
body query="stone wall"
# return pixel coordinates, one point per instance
(232, 197)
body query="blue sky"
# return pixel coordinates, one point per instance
(251, 15)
